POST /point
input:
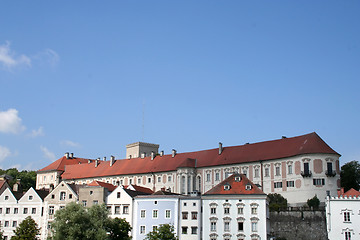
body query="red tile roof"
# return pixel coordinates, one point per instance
(351, 193)
(276, 149)
(109, 186)
(59, 164)
(141, 189)
(236, 187)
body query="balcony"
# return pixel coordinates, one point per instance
(306, 173)
(330, 173)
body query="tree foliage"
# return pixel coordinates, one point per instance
(163, 232)
(27, 230)
(28, 178)
(313, 202)
(350, 175)
(75, 222)
(277, 202)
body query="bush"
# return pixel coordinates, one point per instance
(314, 202)
(277, 202)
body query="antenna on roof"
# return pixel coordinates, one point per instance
(143, 120)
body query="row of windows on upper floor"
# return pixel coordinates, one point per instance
(184, 230)
(289, 184)
(7, 224)
(16, 210)
(240, 210)
(30, 197)
(240, 226)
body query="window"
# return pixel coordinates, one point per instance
(240, 210)
(118, 195)
(213, 226)
(185, 215)
(245, 172)
(277, 171)
(167, 213)
(319, 181)
(84, 203)
(121, 182)
(217, 176)
(6, 197)
(185, 204)
(51, 210)
(240, 226)
(7, 210)
(267, 172)
(155, 213)
(193, 215)
(126, 210)
(208, 177)
(290, 171)
(95, 202)
(226, 210)
(130, 181)
(62, 195)
(139, 180)
(154, 228)
(16, 210)
(143, 213)
(347, 236)
(155, 202)
(14, 224)
(33, 210)
(6, 223)
(256, 172)
(227, 226)
(30, 197)
(52, 196)
(70, 196)
(169, 178)
(306, 168)
(254, 226)
(117, 209)
(184, 230)
(346, 216)
(149, 180)
(142, 229)
(25, 211)
(212, 210)
(253, 210)
(290, 183)
(194, 230)
(159, 179)
(277, 184)
(194, 204)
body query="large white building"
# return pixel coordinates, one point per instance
(298, 168)
(343, 215)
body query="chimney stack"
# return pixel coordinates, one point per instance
(89, 161)
(104, 159)
(152, 155)
(97, 162)
(17, 186)
(220, 148)
(161, 153)
(67, 155)
(71, 155)
(112, 160)
(173, 153)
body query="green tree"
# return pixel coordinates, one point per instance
(163, 232)
(75, 222)
(313, 202)
(277, 202)
(350, 175)
(27, 230)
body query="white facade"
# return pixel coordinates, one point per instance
(190, 218)
(343, 217)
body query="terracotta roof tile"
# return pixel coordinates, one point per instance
(59, 164)
(109, 186)
(351, 193)
(275, 149)
(236, 185)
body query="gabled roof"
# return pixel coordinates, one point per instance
(351, 193)
(140, 189)
(60, 164)
(162, 192)
(133, 193)
(109, 186)
(269, 150)
(42, 193)
(3, 182)
(237, 184)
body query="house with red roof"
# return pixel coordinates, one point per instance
(343, 215)
(235, 208)
(286, 166)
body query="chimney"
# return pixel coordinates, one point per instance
(89, 161)
(152, 155)
(173, 153)
(340, 192)
(67, 155)
(71, 155)
(17, 186)
(220, 148)
(161, 153)
(97, 162)
(163, 189)
(104, 159)
(51, 187)
(283, 137)
(129, 156)
(112, 160)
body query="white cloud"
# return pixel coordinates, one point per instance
(70, 143)
(47, 56)
(48, 154)
(4, 153)
(10, 122)
(10, 59)
(37, 133)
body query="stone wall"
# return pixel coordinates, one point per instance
(299, 225)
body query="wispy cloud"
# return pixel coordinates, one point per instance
(70, 143)
(37, 132)
(48, 154)
(4, 153)
(9, 59)
(47, 57)
(10, 122)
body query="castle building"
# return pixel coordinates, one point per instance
(296, 167)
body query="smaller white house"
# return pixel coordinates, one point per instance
(343, 215)
(235, 209)
(190, 218)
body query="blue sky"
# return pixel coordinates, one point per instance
(86, 76)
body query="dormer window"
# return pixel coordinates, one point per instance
(227, 187)
(237, 179)
(248, 187)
